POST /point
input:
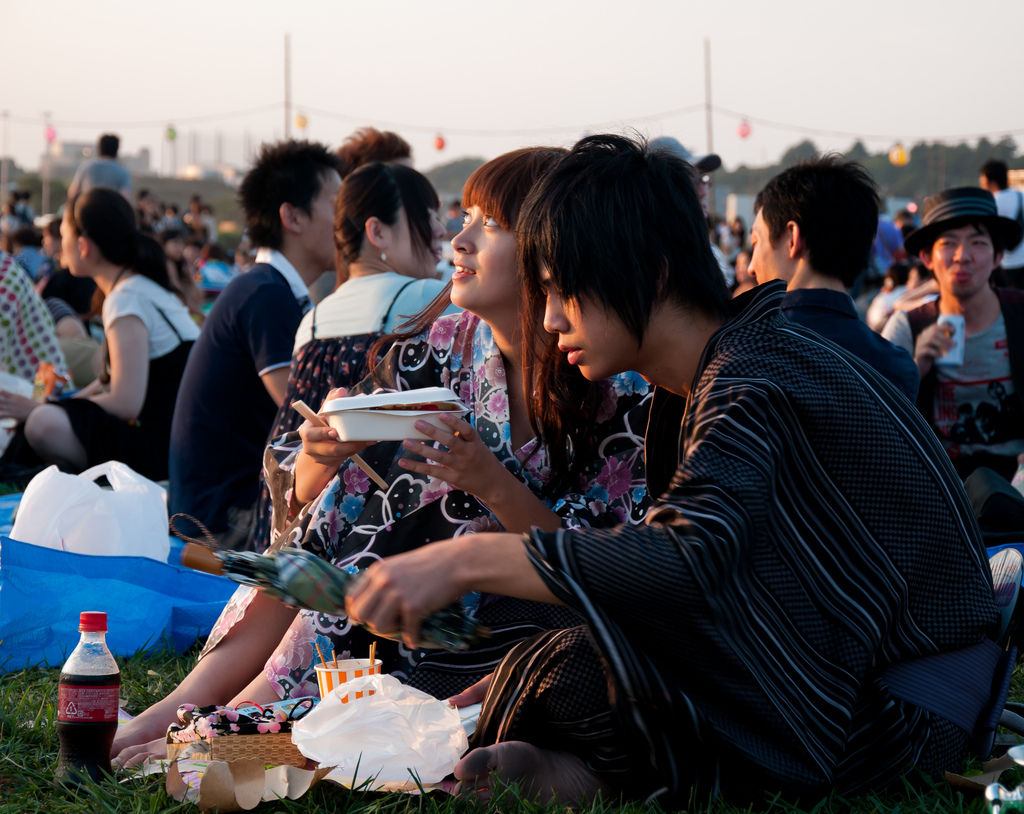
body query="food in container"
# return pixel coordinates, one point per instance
(390, 416)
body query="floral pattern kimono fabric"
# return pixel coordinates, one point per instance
(353, 524)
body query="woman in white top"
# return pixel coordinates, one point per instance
(126, 414)
(389, 236)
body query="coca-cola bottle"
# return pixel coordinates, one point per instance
(87, 705)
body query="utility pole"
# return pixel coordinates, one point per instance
(287, 86)
(4, 168)
(707, 114)
(47, 161)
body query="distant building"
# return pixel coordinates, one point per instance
(62, 158)
(211, 171)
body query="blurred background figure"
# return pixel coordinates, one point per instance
(744, 279)
(894, 284)
(27, 248)
(179, 272)
(103, 171)
(995, 177)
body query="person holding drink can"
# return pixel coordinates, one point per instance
(968, 344)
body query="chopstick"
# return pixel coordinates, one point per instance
(316, 420)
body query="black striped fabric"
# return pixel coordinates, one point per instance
(813, 533)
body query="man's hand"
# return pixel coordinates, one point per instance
(932, 343)
(397, 593)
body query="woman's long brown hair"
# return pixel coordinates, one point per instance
(561, 404)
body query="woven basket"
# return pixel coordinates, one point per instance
(273, 749)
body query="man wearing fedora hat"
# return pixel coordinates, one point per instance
(968, 344)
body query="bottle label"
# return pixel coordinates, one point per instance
(87, 704)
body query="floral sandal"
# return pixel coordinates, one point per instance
(195, 723)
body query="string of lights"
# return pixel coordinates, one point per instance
(497, 132)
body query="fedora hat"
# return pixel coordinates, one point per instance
(953, 208)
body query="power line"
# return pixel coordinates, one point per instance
(211, 117)
(522, 131)
(814, 131)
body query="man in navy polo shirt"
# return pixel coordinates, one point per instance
(814, 227)
(238, 369)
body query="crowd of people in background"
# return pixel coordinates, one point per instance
(807, 436)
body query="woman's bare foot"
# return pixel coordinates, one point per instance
(542, 774)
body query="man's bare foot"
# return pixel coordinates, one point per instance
(542, 774)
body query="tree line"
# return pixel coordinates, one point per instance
(931, 167)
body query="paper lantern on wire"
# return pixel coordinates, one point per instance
(743, 129)
(439, 142)
(898, 156)
(50, 134)
(170, 133)
(301, 121)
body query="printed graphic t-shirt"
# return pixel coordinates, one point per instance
(976, 409)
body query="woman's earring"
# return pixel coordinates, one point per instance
(383, 257)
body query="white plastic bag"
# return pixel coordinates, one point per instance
(71, 513)
(395, 735)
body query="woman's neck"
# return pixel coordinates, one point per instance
(107, 275)
(367, 265)
(507, 342)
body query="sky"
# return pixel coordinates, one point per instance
(489, 77)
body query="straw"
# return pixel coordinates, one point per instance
(307, 413)
(323, 661)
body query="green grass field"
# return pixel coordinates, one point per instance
(28, 754)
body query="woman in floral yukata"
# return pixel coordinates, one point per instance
(571, 458)
(473, 481)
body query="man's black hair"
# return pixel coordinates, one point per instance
(27, 236)
(835, 203)
(620, 224)
(108, 145)
(285, 172)
(996, 172)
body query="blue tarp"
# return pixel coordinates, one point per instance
(42, 591)
(8, 503)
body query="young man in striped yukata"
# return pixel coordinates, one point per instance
(812, 553)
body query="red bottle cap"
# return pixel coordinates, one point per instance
(92, 622)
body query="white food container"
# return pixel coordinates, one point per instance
(360, 418)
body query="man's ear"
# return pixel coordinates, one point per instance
(926, 257)
(999, 259)
(291, 219)
(796, 246)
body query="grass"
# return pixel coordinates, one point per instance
(28, 754)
